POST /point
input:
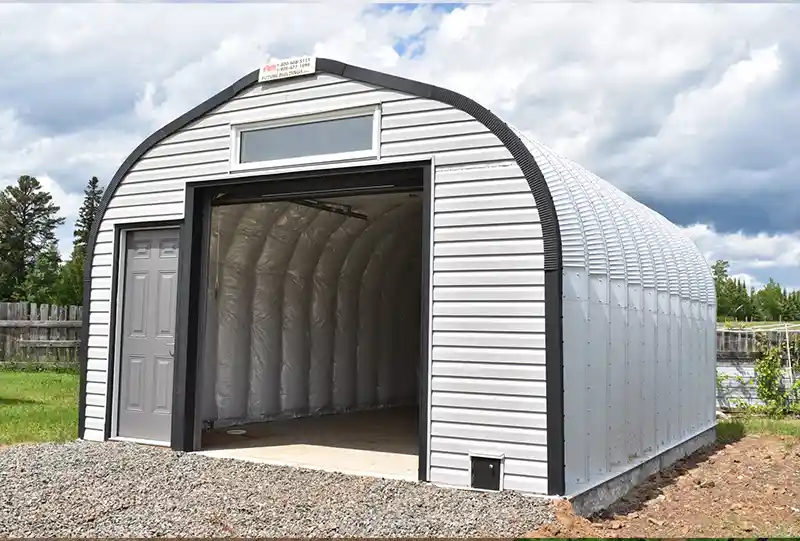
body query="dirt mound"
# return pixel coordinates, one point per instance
(566, 524)
(747, 488)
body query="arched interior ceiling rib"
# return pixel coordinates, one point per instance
(315, 311)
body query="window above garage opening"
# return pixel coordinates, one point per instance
(326, 137)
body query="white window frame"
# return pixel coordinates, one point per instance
(340, 114)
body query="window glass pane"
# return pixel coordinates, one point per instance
(309, 139)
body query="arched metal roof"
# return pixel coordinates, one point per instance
(607, 232)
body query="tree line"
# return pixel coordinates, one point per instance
(31, 268)
(738, 303)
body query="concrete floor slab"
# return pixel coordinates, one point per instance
(380, 443)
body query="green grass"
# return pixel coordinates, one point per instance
(747, 324)
(38, 407)
(730, 430)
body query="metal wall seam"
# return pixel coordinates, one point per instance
(654, 319)
(662, 253)
(699, 315)
(615, 313)
(641, 352)
(575, 291)
(698, 340)
(575, 323)
(595, 315)
(682, 335)
(591, 436)
(621, 365)
(596, 304)
(698, 336)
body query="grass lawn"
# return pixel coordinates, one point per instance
(38, 406)
(748, 324)
(736, 427)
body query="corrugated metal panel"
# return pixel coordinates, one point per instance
(637, 358)
(487, 290)
(583, 247)
(654, 344)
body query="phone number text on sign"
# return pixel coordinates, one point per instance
(291, 67)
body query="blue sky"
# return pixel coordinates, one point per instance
(691, 108)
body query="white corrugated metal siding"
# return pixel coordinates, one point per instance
(639, 308)
(487, 301)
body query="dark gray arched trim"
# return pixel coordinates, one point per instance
(524, 158)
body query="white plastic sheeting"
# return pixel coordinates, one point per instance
(311, 311)
(639, 318)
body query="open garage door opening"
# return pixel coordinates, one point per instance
(313, 349)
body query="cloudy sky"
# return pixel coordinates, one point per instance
(694, 109)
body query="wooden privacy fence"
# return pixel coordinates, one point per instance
(45, 333)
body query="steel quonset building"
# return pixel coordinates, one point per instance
(321, 242)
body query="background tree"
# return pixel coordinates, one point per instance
(41, 281)
(93, 194)
(28, 220)
(770, 301)
(792, 306)
(69, 289)
(725, 287)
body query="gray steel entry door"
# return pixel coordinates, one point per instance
(148, 334)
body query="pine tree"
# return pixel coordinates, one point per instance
(93, 194)
(28, 220)
(722, 283)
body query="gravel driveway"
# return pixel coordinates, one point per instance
(117, 489)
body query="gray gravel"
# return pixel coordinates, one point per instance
(117, 489)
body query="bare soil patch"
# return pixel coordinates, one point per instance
(742, 489)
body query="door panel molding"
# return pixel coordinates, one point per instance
(147, 331)
(114, 334)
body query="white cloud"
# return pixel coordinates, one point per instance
(751, 251)
(753, 258)
(675, 101)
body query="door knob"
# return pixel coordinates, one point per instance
(171, 345)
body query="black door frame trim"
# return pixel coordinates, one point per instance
(544, 202)
(201, 197)
(116, 270)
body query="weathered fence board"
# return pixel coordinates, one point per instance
(31, 332)
(53, 324)
(50, 343)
